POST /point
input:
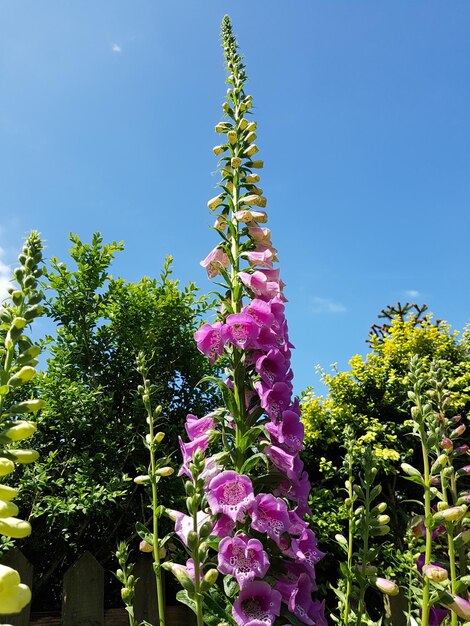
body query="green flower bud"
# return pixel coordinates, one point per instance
(262, 202)
(7, 493)
(219, 150)
(232, 136)
(235, 162)
(221, 127)
(250, 137)
(183, 578)
(165, 471)
(192, 539)
(24, 456)
(410, 470)
(25, 374)
(8, 578)
(28, 406)
(142, 479)
(258, 165)
(452, 514)
(6, 466)
(14, 527)
(8, 509)
(439, 464)
(211, 577)
(19, 323)
(243, 123)
(126, 594)
(20, 430)
(159, 437)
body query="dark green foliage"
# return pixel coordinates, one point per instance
(81, 492)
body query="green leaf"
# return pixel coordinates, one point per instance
(230, 586)
(253, 461)
(183, 597)
(144, 533)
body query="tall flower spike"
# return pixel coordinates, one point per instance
(260, 493)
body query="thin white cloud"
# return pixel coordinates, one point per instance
(326, 305)
(412, 293)
(5, 275)
(116, 48)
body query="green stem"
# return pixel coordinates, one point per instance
(365, 547)
(197, 575)
(427, 524)
(350, 544)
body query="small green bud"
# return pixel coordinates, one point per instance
(165, 471)
(19, 430)
(159, 437)
(6, 466)
(410, 470)
(205, 530)
(211, 576)
(25, 374)
(142, 479)
(126, 594)
(439, 464)
(193, 540)
(24, 456)
(183, 578)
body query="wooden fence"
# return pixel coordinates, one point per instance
(83, 596)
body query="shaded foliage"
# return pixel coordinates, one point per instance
(80, 493)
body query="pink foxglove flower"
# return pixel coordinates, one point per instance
(306, 550)
(257, 603)
(241, 330)
(270, 516)
(209, 340)
(214, 261)
(195, 427)
(232, 494)
(184, 523)
(298, 597)
(242, 557)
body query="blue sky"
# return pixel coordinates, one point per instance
(107, 112)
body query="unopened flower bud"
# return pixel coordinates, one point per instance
(219, 150)
(251, 199)
(232, 136)
(459, 606)
(452, 514)
(383, 519)
(458, 431)
(8, 509)
(211, 576)
(14, 527)
(24, 456)
(235, 162)
(250, 137)
(23, 376)
(221, 127)
(389, 587)
(215, 202)
(435, 573)
(410, 470)
(165, 471)
(142, 479)
(159, 437)
(183, 578)
(251, 127)
(262, 202)
(439, 464)
(252, 178)
(19, 430)
(461, 450)
(145, 547)
(126, 594)
(243, 123)
(257, 165)
(7, 493)
(6, 466)
(253, 149)
(446, 443)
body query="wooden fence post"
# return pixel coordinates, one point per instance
(15, 558)
(83, 593)
(145, 599)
